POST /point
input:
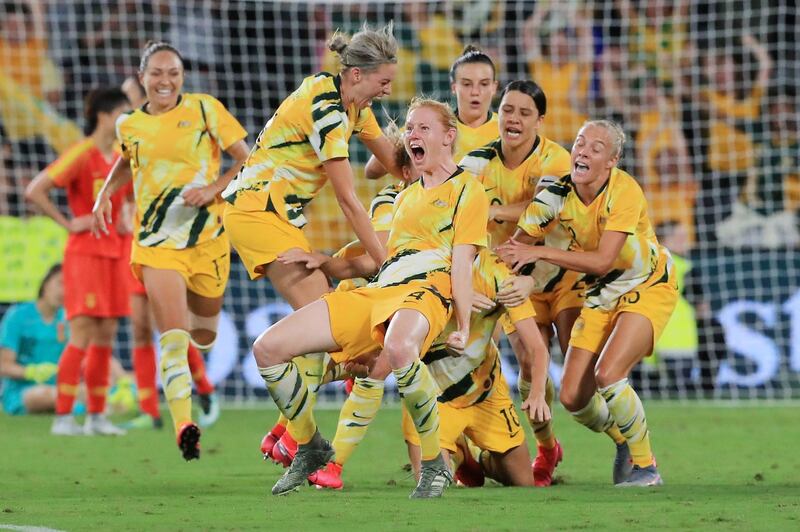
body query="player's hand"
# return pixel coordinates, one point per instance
(40, 373)
(536, 408)
(516, 254)
(197, 197)
(101, 216)
(457, 342)
(81, 224)
(515, 290)
(359, 368)
(311, 260)
(480, 303)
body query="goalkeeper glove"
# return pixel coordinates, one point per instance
(40, 373)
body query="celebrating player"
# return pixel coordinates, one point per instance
(439, 222)
(630, 289)
(473, 81)
(144, 354)
(302, 146)
(171, 147)
(512, 168)
(94, 298)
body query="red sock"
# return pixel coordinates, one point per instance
(198, 368)
(68, 378)
(144, 366)
(98, 362)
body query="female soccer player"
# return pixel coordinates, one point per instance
(473, 81)
(94, 298)
(144, 354)
(171, 147)
(302, 146)
(630, 291)
(32, 336)
(439, 222)
(512, 168)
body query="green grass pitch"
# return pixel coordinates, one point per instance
(727, 468)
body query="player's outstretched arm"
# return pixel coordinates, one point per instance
(535, 404)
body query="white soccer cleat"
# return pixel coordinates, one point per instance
(66, 426)
(99, 425)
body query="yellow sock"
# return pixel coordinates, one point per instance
(596, 417)
(419, 392)
(626, 407)
(312, 369)
(543, 432)
(175, 375)
(357, 413)
(291, 395)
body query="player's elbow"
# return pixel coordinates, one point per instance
(602, 266)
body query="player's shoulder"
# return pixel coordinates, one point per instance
(79, 151)
(622, 183)
(478, 159)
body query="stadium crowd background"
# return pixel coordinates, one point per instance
(706, 91)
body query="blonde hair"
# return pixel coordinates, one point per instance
(367, 50)
(616, 132)
(446, 115)
(395, 136)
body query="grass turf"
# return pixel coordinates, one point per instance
(725, 468)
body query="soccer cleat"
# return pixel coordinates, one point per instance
(329, 477)
(270, 439)
(642, 477)
(545, 464)
(433, 479)
(285, 450)
(66, 426)
(99, 425)
(470, 473)
(623, 464)
(209, 409)
(348, 385)
(189, 441)
(310, 457)
(144, 421)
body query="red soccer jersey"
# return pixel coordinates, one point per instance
(81, 170)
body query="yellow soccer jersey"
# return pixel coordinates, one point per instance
(170, 153)
(381, 211)
(472, 138)
(284, 169)
(546, 163)
(620, 206)
(427, 224)
(469, 379)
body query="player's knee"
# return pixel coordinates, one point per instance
(203, 330)
(606, 375)
(570, 398)
(268, 350)
(400, 352)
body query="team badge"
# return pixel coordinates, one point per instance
(440, 203)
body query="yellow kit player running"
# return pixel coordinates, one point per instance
(512, 168)
(171, 147)
(630, 289)
(439, 222)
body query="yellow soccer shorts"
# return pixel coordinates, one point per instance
(568, 293)
(359, 317)
(205, 268)
(259, 237)
(655, 302)
(493, 424)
